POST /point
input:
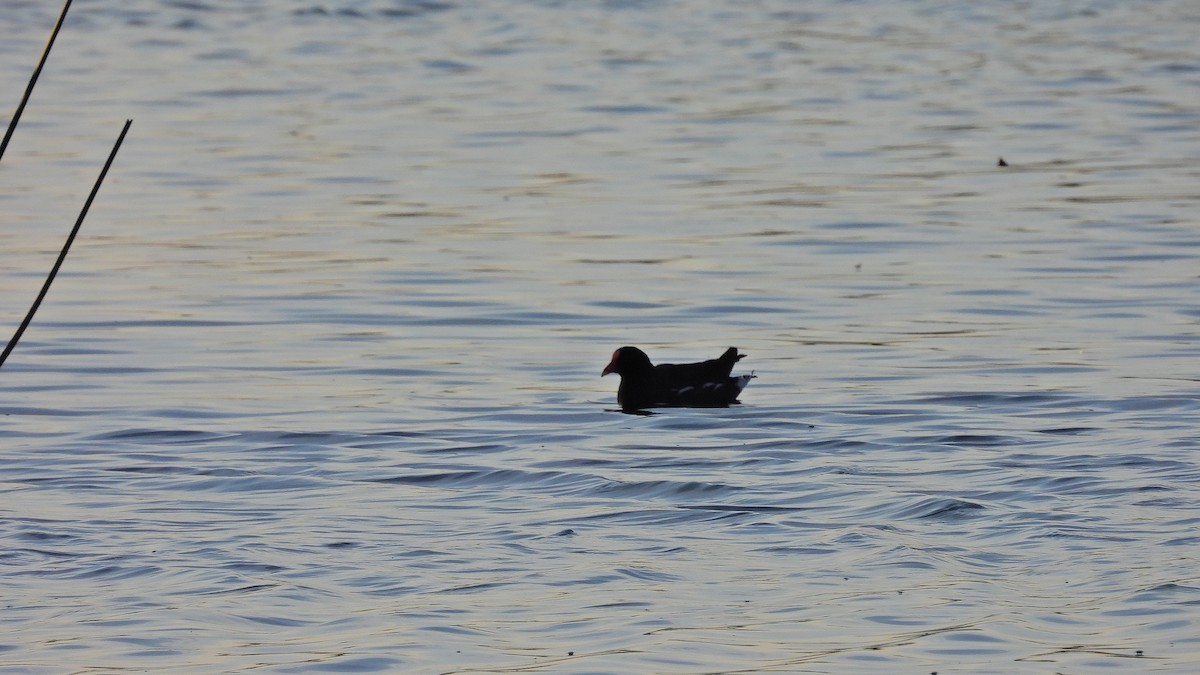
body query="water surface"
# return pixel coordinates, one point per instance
(318, 387)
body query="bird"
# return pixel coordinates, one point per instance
(698, 385)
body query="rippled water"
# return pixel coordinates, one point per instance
(318, 388)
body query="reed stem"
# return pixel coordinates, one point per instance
(66, 247)
(12, 125)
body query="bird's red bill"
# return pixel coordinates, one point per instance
(612, 365)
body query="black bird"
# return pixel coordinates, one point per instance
(704, 384)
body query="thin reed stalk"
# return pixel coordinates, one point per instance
(12, 125)
(66, 247)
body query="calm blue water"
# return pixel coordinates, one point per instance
(318, 388)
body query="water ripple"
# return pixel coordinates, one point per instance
(318, 388)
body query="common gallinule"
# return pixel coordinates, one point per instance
(704, 384)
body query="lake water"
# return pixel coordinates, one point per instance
(318, 387)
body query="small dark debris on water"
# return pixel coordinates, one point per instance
(1001, 162)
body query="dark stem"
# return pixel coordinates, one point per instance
(66, 247)
(12, 126)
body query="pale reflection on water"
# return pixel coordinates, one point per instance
(318, 386)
